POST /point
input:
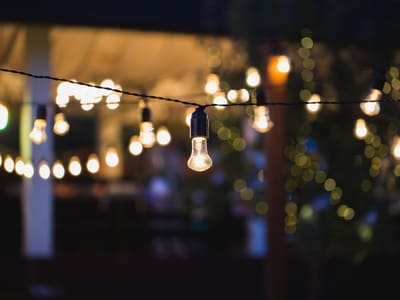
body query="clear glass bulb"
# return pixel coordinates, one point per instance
(61, 126)
(93, 164)
(360, 129)
(38, 133)
(163, 136)
(262, 123)
(135, 146)
(372, 108)
(199, 159)
(146, 135)
(58, 170)
(44, 170)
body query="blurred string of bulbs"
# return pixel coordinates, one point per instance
(90, 94)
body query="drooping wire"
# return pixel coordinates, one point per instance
(188, 102)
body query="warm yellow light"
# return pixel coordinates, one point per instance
(360, 129)
(278, 68)
(163, 136)
(58, 170)
(87, 105)
(29, 171)
(74, 166)
(199, 159)
(253, 77)
(262, 122)
(371, 108)
(112, 157)
(243, 96)
(146, 134)
(19, 166)
(61, 126)
(232, 96)
(93, 164)
(3, 116)
(109, 84)
(313, 106)
(113, 101)
(135, 146)
(396, 147)
(62, 100)
(212, 84)
(38, 133)
(220, 99)
(1, 159)
(9, 164)
(44, 170)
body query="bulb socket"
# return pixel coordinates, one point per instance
(41, 112)
(146, 114)
(199, 123)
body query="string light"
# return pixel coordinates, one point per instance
(61, 125)
(9, 164)
(112, 157)
(163, 136)
(44, 170)
(261, 121)
(199, 159)
(135, 146)
(74, 166)
(360, 129)
(58, 170)
(38, 133)
(93, 164)
(29, 171)
(146, 134)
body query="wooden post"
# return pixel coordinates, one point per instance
(37, 193)
(275, 174)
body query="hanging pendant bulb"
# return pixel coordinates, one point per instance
(368, 106)
(261, 122)
(38, 133)
(146, 135)
(199, 159)
(61, 125)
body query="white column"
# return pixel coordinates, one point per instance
(37, 193)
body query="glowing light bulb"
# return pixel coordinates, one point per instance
(163, 136)
(253, 77)
(38, 133)
(396, 147)
(199, 159)
(232, 96)
(220, 99)
(113, 101)
(62, 100)
(3, 116)
(112, 157)
(44, 170)
(135, 146)
(29, 171)
(262, 122)
(314, 106)
(360, 129)
(371, 108)
(212, 84)
(146, 134)
(19, 166)
(61, 126)
(58, 170)
(93, 164)
(9, 164)
(108, 84)
(283, 64)
(74, 166)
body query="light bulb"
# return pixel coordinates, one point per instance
(112, 157)
(163, 136)
(58, 170)
(199, 159)
(212, 84)
(262, 122)
(220, 99)
(3, 116)
(360, 129)
(396, 147)
(93, 164)
(314, 106)
(38, 133)
(74, 166)
(146, 135)
(253, 77)
(29, 171)
(19, 166)
(9, 164)
(44, 170)
(61, 126)
(135, 146)
(369, 107)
